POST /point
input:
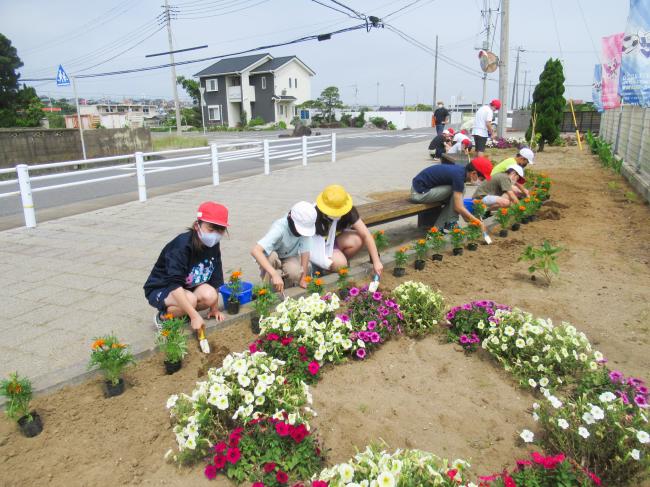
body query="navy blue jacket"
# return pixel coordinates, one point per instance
(180, 266)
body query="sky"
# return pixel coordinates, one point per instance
(368, 67)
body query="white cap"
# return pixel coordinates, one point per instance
(303, 215)
(446, 132)
(517, 168)
(527, 154)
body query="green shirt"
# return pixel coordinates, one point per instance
(497, 185)
(503, 165)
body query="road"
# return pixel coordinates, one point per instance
(87, 197)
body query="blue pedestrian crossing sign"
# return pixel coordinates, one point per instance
(61, 77)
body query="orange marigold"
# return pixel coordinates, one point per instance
(308, 279)
(527, 200)
(121, 345)
(476, 202)
(504, 211)
(235, 275)
(476, 223)
(164, 333)
(403, 249)
(343, 271)
(98, 344)
(317, 273)
(381, 232)
(522, 208)
(14, 388)
(422, 241)
(433, 229)
(318, 282)
(261, 292)
(169, 316)
(456, 230)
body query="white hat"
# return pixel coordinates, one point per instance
(446, 132)
(527, 154)
(517, 168)
(303, 215)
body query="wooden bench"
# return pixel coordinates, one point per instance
(397, 207)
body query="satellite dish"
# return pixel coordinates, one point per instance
(489, 61)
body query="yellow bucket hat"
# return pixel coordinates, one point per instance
(334, 201)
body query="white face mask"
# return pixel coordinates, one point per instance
(209, 239)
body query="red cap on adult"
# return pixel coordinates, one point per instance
(212, 212)
(466, 142)
(451, 131)
(496, 103)
(484, 166)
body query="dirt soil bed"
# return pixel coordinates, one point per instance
(420, 394)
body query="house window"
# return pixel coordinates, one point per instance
(281, 109)
(263, 82)
(212, 85)
(289, 82)
(214, 112)
(295, 82)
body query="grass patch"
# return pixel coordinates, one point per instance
(178, 142)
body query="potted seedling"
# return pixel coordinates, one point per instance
(262, 304)
(503, 217)
(457, 238)
(18, 393)
(381, 242)
(172, 341)
(110, 356)
(234, 286)
(420, 247)
(517, 211)
(400, 262)
(436, 242)
(479, 209)
(473, 233)
(535, 205)
(543, 258)
(314, 283)
(342, 282)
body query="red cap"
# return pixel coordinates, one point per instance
(464, 132)
(212, 212)
(451, 131)
(466, 142)
(484, 166)
(496, 103)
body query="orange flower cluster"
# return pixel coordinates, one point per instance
(121, 345)
(422, 241)
(14, 388)
(457, 230)
(317, 273)
(97, 344)
(307, 279)
(403, 249)
(527, 200)
(262, 292)
(318, 282)
(165, 333)
(522, 208)
(169, 316)
(235, 275)
(343, 271)
(475, 223)
(504, 211)
(380, 232)
(433, 230)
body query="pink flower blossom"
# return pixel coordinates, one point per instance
(361, 353)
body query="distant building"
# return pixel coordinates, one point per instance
(258, 85)
(113, 115)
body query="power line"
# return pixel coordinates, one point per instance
(216, 12)
(402, 8)
(584, 21)
(211, 58)
(557, 32)
(333, 8)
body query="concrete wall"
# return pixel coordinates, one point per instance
(263, 106)
(32, 146)
(401, 120)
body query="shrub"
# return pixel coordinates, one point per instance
(256, 121)
(422, 307)
(379, 122)
(282, 124)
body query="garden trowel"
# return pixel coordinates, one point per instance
(203, 342)
(374, 284)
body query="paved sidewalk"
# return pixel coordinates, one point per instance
(72, 279)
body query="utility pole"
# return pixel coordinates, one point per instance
(515, 87)
(486, 45)
(503, 67)
(435, 79)
(523, 91)
(171, 60)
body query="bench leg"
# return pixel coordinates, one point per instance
(428, 218)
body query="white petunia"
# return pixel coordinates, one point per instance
(563, 423)
(248, 397)
(607, 397)
(597, 412)
(527, 436)
(520, 343)
(171, 402)
(543, 382)
(636, 454)
(191, 443)
(509, 330)
(642, 436)
(532, 383)
(222, 402)
(346, 472)
(588, 418)
(535, 417)
(243, 380)
(584, 432)
(555, 402)
(535, 405)
(386, 479)
(593, 365)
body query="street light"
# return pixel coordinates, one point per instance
(403, 95)
(202, 90)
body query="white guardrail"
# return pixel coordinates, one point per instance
(266, 150)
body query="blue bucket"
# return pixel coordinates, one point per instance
(245, 295)
(469, 204)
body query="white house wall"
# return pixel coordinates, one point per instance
(401, 120)
(293, 70)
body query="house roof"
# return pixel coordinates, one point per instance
(284, 98)
(232, 65)
(276, 63)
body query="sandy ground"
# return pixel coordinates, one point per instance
(422, 394)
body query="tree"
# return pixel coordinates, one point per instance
(311, 104)
(18, 106)
(330, 99)
(192, 88)
(548, 103)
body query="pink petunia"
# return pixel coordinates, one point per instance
(210, 472)
(361, 353)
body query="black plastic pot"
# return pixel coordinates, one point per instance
(172, 367)
(457, 251)
(525, 220)
(232, 307)
(533, 218)
(472, 246)
(419, 264)
(399, 271)
(435, 257)
(503, 232)
(113, 390)
(515, 227)
(31, 428)
(255, 324)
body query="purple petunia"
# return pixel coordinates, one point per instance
(372, 325)
(615, 376)
(376, 296)
(464, 339)
(375, 337)
(640, 401)
(361, 353)
(344, 318)
(353, 291)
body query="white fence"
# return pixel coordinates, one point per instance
(136, 165)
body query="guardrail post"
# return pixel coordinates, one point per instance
(333, 146)
(267, 167)
(22, 170)
(139, 169)
(304, 150)
(214, 154)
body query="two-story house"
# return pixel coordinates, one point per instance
(259, 85)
